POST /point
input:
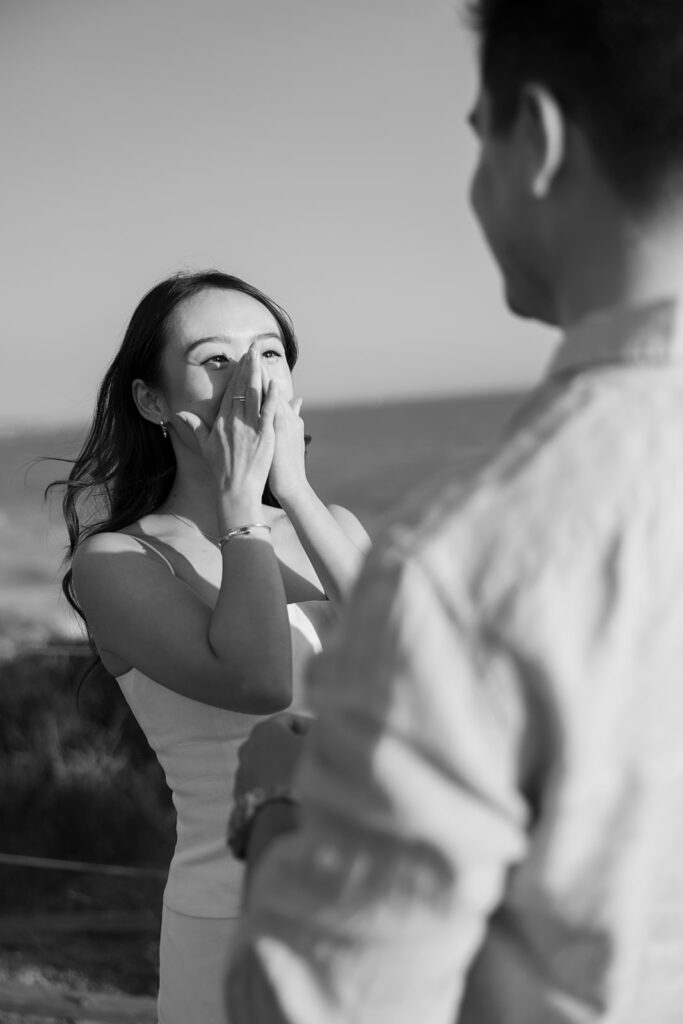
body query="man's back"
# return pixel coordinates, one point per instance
(492, 792)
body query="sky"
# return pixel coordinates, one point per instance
(318, 149)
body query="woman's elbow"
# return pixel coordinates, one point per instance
(270, 703)
(268, 694)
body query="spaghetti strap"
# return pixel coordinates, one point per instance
(148, 544)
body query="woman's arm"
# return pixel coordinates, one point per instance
(238, 654)
(333, 539)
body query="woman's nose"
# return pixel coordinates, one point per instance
(241, 349)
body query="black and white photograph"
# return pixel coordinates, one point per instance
(341, 512)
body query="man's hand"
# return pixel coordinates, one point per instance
(268, 758)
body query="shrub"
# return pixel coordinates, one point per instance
(78, 779)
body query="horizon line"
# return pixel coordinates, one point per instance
(10, 426)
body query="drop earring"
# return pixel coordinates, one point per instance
(164, 429)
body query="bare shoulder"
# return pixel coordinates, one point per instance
(351, 525)
(106, 554)
(102, 544)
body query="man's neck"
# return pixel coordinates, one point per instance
(623, 264)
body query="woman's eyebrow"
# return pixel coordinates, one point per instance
(226, 337)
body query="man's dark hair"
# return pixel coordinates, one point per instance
(616, 68)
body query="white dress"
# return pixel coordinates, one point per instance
(197, 747)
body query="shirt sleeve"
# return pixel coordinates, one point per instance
(372, 911)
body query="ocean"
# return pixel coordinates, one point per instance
(367, 458)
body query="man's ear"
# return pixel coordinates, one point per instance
(545, 127)
(148, 402)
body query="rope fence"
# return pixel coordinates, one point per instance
(82, 867)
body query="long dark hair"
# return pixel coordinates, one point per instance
(126, 468)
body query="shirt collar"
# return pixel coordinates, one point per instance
(648, 335)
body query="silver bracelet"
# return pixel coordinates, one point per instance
(241, 531)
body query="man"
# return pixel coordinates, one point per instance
(490, 825)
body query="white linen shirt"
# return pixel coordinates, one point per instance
(493, 792)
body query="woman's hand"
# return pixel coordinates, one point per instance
(288, 470)
(240, 445)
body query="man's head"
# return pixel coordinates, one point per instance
(581, 110)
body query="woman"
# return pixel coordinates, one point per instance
(200, 564)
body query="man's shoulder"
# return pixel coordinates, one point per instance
(565, 463)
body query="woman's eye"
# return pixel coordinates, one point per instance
(219, 360)
(269, 353)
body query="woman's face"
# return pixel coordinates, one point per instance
(206, 336)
